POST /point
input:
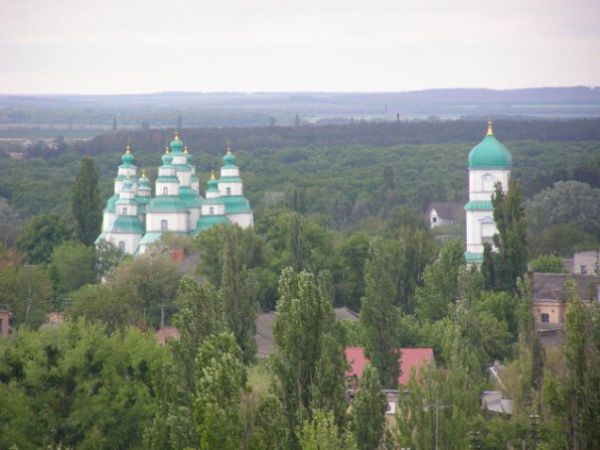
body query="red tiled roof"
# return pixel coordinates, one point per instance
(409, 357)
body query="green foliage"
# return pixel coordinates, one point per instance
(322, 433)
(368, 411)
(309, 362)
(379, 316)
(221, 378)
(502, 271)
(562, 240)
(440, 279)
(72, 266)
(85, 202)
(27, 291)
(154, 278)
(74, 386)
(566, 203)
(548, 264)
(115, 306)
(41, 235)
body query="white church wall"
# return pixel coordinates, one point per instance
(476, 183)
(131, 241)
(244, 220)
(231, 189)
(175, 222)
(217, 210)
(230, 172)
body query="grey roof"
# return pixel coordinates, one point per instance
(551, 286)
(446, 210)
(266, 320)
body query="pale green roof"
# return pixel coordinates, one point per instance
(206, 222)
(166, 203)
(189, 197)
(479, 205)
(167, 179)
(236, 204)
(473, 258)
(111, 202)
(490, 153)
(127, 225)
(230, 180)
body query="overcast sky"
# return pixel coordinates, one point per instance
(135, 46)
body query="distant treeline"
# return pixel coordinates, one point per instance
(214, 140)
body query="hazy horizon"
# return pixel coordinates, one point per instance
(142, 47)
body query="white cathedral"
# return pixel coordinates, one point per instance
(132, 219)
(489, 163)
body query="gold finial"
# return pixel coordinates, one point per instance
(128, 149)
(128, 177)
(166, 149)
(490, 131)
(212, 175)
(228, 150)
(144, 173)
(185, 150)
(176, 133)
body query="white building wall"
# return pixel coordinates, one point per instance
(108, 219)
(479, 189)
(218, 210)
(193, 218)
(244, 220)
(184, 178)
(476, 229)
(175, 221)
(131, 241)
(230, 172)
(172, 188)
(127, 171)
(236, 188)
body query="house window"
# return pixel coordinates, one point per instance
(165, 190)
(434, 219)
(211, 210)
(122, 246)
(228, 191)
(164, 225)
(545, 318)
(583, 270)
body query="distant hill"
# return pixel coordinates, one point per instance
(244, 109)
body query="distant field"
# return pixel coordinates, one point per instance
(18, 134)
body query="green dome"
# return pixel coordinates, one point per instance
(229, 159)
(128, 157)
(490, 153)
(176, 144)
(166, 203)
(166, 158)
(212, 183)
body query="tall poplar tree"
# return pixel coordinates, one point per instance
(85, 202)
(309, 361)
(368, 410)
(511, 239)
(379, 316)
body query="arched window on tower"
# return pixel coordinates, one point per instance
(488, 182)
(165, 190)
(164, 225)
(211, 210)
(122, 246)
(124, 211)
(228, 190)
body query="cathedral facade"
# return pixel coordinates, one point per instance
(489, 162)
(133, 219)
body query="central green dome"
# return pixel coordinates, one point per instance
(176, 144)
(490, 153)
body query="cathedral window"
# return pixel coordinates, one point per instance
(122, 246)
(124, 211)
(164, 225)
(228, 191)
(211, 210)
(487, 183)
(165, 190)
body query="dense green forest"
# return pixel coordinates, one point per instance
(339, 221)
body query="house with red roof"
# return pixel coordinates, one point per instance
(410, 358)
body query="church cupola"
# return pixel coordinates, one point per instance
(490, 153)
(176, 144)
